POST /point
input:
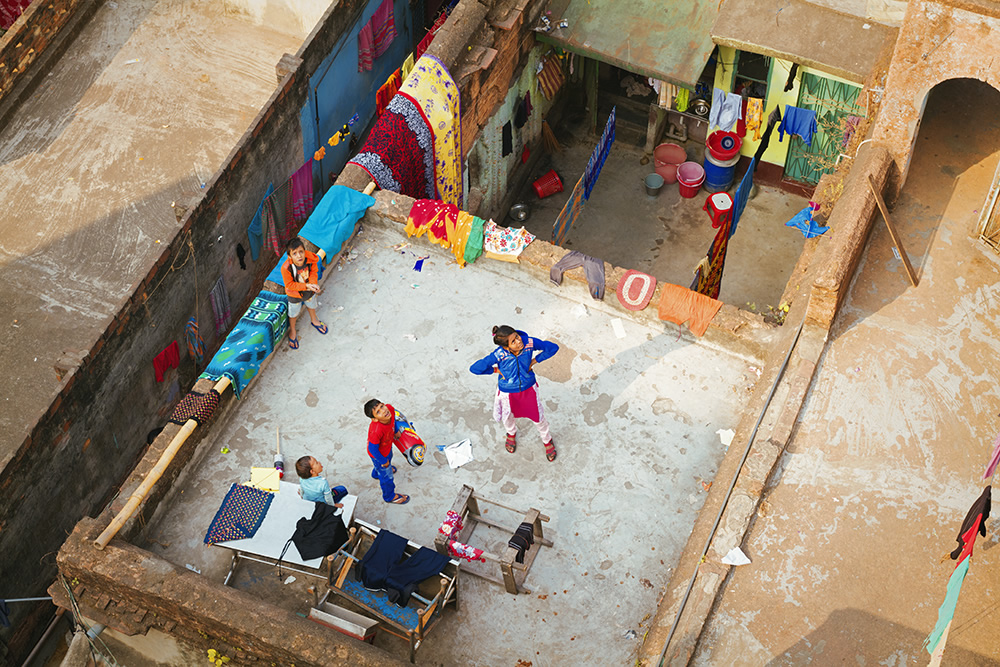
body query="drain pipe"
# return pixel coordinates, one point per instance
(48, 631)
(729, 493)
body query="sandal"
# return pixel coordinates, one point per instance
(550, 450)
(293, 343)
(511, 443)
(321, 327)
(400, 499)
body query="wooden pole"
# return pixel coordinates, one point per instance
(154, 475)
(370, 188)
(892, 231)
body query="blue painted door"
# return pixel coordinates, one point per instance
(338, 90)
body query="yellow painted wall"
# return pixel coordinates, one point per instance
(777, 151)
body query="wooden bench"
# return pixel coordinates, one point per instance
(423, 611)
(512, 573)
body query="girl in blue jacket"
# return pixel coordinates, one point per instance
(517, 390)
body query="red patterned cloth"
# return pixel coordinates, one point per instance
(435, 218)
(709, 282)
(399, 152)
(451, 526)
(10, 11)
(464, 551)
(170, 357)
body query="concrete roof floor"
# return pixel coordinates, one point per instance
(893, 439)
(667, 235)
(139, 112)
(634, 419)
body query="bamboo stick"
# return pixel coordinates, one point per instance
(154, 475)
(370, 188)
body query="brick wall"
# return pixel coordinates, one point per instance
(93, 434)
(133, 590)
(33, 41)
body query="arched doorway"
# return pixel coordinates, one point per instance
(957, 147)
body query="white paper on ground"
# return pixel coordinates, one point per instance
(736, 557)
(726, 436)
(289, 580)
(459, 453)
(619, 329)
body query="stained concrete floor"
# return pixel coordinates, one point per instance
(141, 110)
(667, 235)
(634, 419)
(892, 441)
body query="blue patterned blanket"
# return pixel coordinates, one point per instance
(250, 342)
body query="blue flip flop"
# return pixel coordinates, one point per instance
(321, 328)
(293, 343)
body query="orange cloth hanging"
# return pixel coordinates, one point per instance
(385, 93)
(679, 304)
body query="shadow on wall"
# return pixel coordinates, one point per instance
(883, 642)
(63, 100)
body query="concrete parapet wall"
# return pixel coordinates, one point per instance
(850, 223)
(132, 590)
(737, 331)
(35, 40)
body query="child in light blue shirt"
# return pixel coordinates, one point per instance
(314, 487)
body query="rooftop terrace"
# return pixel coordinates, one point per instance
(634, 418)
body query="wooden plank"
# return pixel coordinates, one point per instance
(892, 231)
(506, 507)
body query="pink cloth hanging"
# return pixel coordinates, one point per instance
(994, 460)
(366, 42)
(383, 26)
(302, 193)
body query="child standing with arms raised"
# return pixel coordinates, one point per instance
(517, 390)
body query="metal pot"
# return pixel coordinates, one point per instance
(699, 107)
(519, 212)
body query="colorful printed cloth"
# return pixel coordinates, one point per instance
(599, 155)
(504, 240)
(451, 526)
(399, 152)
(435, 218)
(755, 116)
(464, 551)
(431, 87)
(250, 342)
(567, 216)
(240, 515)
(383, 26)
(195, 344)
(196, 406)
(709, 282)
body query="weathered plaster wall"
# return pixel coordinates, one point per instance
(937, 42)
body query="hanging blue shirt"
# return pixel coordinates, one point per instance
(798, 121)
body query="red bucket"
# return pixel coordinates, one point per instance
(548, 184)
(690, 176)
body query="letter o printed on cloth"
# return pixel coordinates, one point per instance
(635, 289)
